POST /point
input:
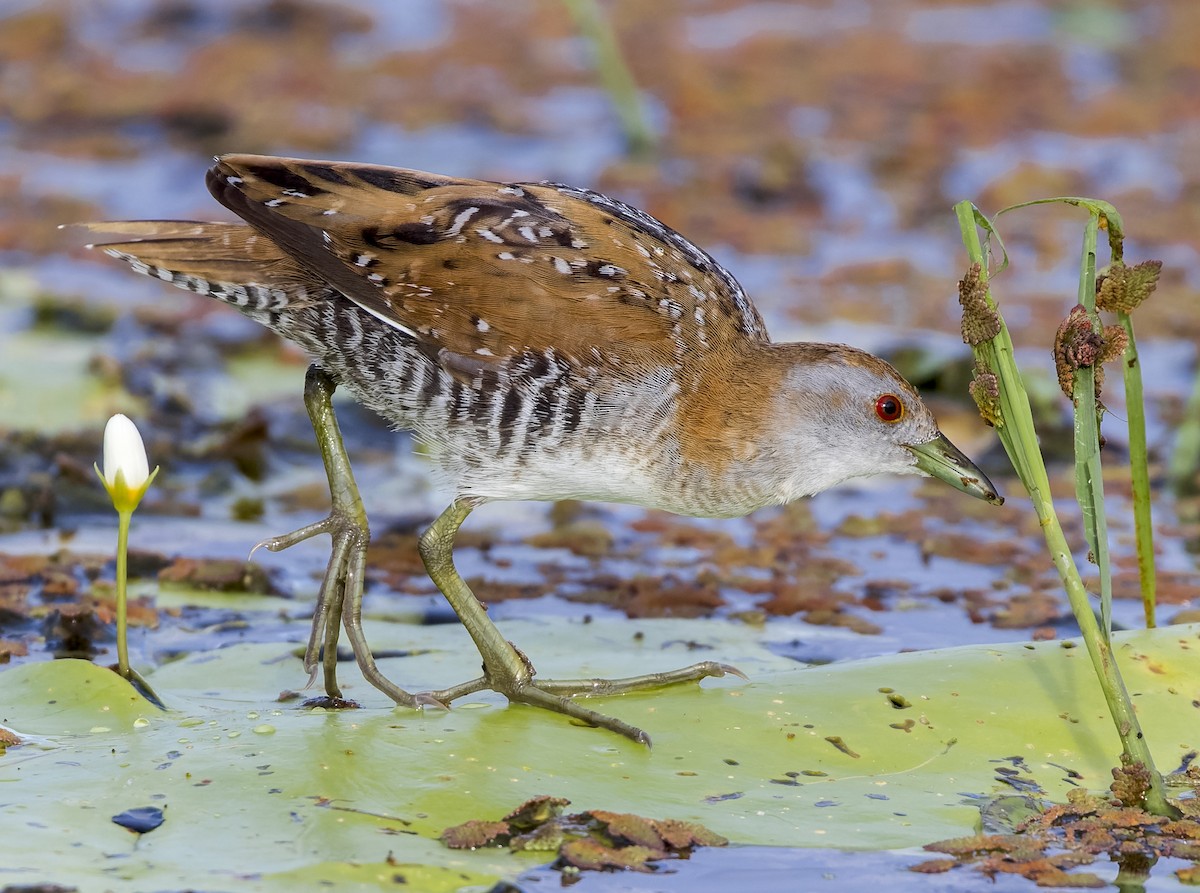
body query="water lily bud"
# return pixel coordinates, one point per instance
(126, 474)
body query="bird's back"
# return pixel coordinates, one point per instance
(546, 341)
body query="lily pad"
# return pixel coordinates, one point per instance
(818, 756)
(46, 385)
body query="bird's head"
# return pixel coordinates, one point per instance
(851, 414)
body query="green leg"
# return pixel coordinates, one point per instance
(508, 671)
(340, 597)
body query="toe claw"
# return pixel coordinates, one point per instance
(426, 699)
(730, 670)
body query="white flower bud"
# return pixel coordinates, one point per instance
(126, 474)
(125, 452)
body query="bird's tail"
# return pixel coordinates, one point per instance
(227, 261)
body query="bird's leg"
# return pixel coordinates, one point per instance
(505, 668)
(339, 600)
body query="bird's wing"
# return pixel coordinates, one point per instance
(485, 269)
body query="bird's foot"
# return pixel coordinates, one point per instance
(558, 695)
(506, 669)
(321, 649)
(339, 600)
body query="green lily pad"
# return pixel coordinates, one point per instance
(46, 385)
(875, 754)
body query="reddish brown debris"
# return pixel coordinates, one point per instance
(593, 840)
(594, 855)
(218, 575)
(536, 811)
(1045, 847)
(476, 833)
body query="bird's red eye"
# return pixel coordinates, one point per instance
(889, 408)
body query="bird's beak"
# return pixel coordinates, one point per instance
(946, 462)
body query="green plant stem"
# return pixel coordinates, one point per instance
(123, 518)
(1139, 471)
(1089, 476)
(1089, 488)
(1183, 470)
(1020, 442)
(614, 73)
(1139, 459)
(1016, 429)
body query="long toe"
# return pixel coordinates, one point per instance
(535, 696)
(594, 687)
(329, 524)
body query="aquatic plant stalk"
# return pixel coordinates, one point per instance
(1089, 476)
(1003, 401)
(614, 73)
(1184, 469)
(1139, 472)
(1139, 464)
(1080, 332)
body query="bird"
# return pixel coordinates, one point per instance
(543, 342)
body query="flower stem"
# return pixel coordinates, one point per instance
(123, 518)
